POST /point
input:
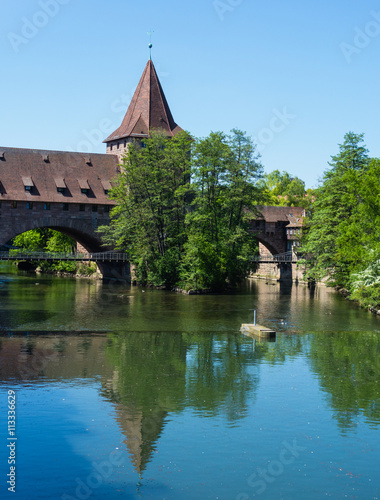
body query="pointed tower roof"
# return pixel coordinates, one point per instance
(147, 110)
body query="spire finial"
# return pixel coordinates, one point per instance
(150, 44)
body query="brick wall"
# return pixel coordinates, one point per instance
(78, 221)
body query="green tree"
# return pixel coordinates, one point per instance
(34, 240)
(224, 179)
(44, 239)
(149, 219)
(283, 189)
(336, 237)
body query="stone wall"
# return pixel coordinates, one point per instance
(283, 271)
(119, 148)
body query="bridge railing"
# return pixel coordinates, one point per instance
(281, 257)
(15, 254)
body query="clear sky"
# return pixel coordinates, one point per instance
(294, 75)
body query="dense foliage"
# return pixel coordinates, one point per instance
(45, 240)
(194, 235)
(149, 220)
(342, 235)
(48, 240)
(283, 189)
(225, 171)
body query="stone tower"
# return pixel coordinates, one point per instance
(147, 110)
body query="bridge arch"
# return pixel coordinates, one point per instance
(272, 248)
(82, 230)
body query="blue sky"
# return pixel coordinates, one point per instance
(294, 75)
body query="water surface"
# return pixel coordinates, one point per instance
(132, 393)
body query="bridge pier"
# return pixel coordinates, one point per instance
(280, 271)
(115, 271)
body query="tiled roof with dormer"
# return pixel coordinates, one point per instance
(280, 214)
(56, 176)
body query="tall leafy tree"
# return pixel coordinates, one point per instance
(224, 176)
(334, 233)
(149, 219)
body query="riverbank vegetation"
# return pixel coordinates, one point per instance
(341, 238)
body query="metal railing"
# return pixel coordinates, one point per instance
(94, 257)
(281, 257)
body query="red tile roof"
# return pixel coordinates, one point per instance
(147, 110)
(280, 214)
(20, 168)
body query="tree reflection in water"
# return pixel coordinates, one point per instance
(161, 373)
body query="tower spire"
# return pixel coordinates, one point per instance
(150, 45)
(148, 110)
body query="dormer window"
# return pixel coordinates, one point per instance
(84, 187)
(2, 155)
(46, 158)
(106, 186)
(60, 184)
(28, 183)
(88, 161)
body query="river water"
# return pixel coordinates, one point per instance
(130, 393)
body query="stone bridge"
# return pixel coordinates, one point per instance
(63, 191)
(277, 228)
